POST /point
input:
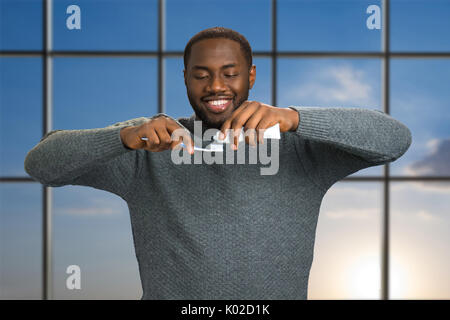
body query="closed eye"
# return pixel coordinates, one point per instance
(227, 75)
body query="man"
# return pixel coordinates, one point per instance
(219, 231)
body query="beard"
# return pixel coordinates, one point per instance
(202, 114)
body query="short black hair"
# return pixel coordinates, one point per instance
(220, 32)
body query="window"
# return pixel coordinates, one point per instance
(419, 25)
(92, 229)
(326, 25)
(377, 226)
(419, 251)
(21, 25)
(421, 103)
(347, 253)
(97, 92)
(331, 82)
(20, 241)
(107, 25)
(186, 18)
(21, 107)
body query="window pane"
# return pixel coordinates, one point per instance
(92, 229)
(20, 241)
(420, 25)
(21, 25)
(326, 25)
(420, 241)
(20, 108)
(130, 25)
(347, 251)
(177, 102)
(97, 92)
(251, 18)
(262, 89)
(331, 83)
(419, 98)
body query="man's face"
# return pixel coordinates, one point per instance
(217, 79)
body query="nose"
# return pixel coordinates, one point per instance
(216, 85)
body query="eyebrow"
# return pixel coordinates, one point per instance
(230, 65)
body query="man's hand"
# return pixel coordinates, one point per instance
(158, 132)
(258, 116)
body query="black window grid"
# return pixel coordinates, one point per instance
(47, 54)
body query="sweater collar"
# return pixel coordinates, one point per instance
(188, 123)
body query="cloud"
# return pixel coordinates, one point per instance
(341, 84)
(90, 211)
(431, 187)
(407, 215)
(419, 201)
(341, 191)
(353, 213)
(351, 200)
(90, 202)
(93, 204)
(436, 162)
(427, 216)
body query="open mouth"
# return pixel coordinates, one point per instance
(219, 105)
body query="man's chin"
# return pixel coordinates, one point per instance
(217, 124)
(213, 120)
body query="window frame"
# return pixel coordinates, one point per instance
(47, 54)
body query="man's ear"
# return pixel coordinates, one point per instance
(184, 74)
(252, 76)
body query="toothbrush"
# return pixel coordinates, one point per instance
(214, 148)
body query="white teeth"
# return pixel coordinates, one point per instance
(218, 102)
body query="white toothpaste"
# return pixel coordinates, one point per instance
(272, 132)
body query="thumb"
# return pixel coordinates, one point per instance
(182, 136)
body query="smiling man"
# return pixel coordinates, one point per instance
(218, 78)
(222, 231)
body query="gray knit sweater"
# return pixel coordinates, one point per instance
(221, 231)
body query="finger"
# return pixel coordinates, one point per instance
(179, 135)
(176, 135)
(227, 124)
(240, 120)
(172, 125)
(250, 127)
(261, 128)
(249, 136)
(153, 139)
(176, 139)
(187, 140)
(164, 137)
(184, 138)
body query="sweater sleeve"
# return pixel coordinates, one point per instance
(337, 142)
(90, 157)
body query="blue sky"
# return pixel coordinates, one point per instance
(91, 227)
